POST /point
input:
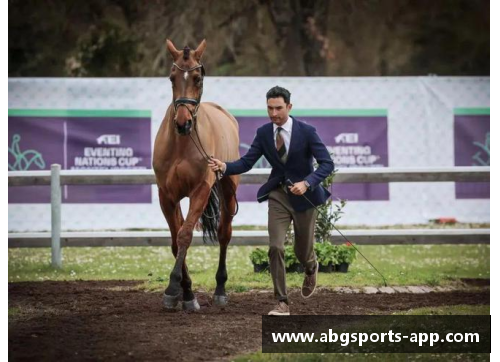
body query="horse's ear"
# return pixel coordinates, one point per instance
(173, 50)
(199, 51)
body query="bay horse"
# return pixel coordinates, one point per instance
(190, 133)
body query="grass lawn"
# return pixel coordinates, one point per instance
(449, 310)
(400, 264)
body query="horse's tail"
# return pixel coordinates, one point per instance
(211, 216)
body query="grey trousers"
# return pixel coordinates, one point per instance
(281, 214)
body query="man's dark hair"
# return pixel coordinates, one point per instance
(276, 92)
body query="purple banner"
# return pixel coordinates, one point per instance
(83, 143)
(355, 141)
(472, 148)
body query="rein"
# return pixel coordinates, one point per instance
(218, 174)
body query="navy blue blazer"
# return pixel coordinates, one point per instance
(304, 145)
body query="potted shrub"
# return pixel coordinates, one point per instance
(326, 254)
(260, 260)
(327, 218)
(328, 215)
(346, 254)
(292, 264)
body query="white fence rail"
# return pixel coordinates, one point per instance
(257, 237)
(56, 178)
(256, 176)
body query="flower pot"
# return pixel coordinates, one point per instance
(342, 267)
(259, 268)
(325, 268)
(295, 268)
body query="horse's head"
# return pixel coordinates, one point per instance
(186, 76)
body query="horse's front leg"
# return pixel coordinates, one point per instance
(180, 280)
(173, 214)
(224, 234)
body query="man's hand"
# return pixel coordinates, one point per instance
(298, 188)
(216, 165)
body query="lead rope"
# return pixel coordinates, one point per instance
(351, 244)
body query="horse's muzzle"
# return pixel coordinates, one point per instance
(185, 129)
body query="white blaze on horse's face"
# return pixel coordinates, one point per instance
(186, 92)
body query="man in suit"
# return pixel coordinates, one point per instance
(289, 145)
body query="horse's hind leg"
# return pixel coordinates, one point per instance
(224, 235)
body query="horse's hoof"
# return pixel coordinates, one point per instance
(170, 301)
(190, 305)
(220, 300)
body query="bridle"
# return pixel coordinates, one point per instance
(183, 101)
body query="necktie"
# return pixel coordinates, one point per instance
(280, 145)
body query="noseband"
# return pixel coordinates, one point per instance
(192, 101)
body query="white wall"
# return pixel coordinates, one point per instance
(420, 133)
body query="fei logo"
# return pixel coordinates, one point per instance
(482, 157)
(347, 138)
(108, 139)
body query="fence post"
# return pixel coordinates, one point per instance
(55, 205)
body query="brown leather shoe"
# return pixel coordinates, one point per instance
(309, 285)
(280, 309)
